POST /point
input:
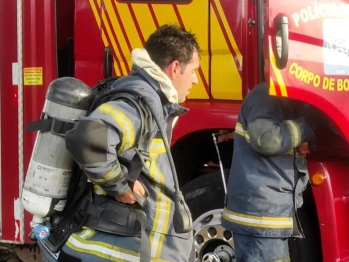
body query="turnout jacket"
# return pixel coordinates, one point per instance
(268, 175)
(111, 131)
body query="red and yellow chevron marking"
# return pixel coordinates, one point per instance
(226, 79)
(125, 26)
(278, 89)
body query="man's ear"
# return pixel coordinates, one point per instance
(173, 69)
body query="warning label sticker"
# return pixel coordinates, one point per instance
(33, 76)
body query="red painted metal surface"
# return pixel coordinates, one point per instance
(206, 115)
(88, 44)
(65, 12)
(238, 13)
(318, 64)
(315, 74)
(332, 200)
(9, 148)
(39, 50)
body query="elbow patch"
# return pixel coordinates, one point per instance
(269, 142)
(87, 143)
(265, 137)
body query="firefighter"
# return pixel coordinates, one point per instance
(164, 70)
(267, 177)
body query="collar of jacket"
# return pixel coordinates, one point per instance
(169, 109)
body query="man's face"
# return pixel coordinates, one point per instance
(183, 77)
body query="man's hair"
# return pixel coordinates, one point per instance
(169, 43)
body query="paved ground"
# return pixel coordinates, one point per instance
(26, 253)
(7, 252)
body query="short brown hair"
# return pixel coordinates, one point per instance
(169, 43)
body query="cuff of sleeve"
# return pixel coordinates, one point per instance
(118, 187)
(307, 131)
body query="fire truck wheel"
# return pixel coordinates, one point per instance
(308, 248)
(205, 197)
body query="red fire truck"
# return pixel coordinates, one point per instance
(301, 48)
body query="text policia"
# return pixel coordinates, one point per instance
(320, 10)
(319, 81)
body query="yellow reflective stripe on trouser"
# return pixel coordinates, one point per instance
(240, 131)
(86, 232)
(258, 221)
(101, 249)
(295, 132)
(163, 203)
(128, 134)
(104, 250)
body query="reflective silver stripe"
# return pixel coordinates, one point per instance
(115, 173)
(163, 203)
(240, 131)
(295, 131)
(258, 221)
(86, 232)
(98, 190)
(101, 250)
(126, 125)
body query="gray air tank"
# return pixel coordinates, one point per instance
(48, 177)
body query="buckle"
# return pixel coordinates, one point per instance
(56, 121)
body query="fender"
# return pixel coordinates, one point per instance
(332, 200)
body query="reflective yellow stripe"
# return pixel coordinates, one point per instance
(157, 146)
(95, 13)
(99, 191)
(292, 134)
(113, 174)
(229, 33)
(86, 232)
(278, 74)
(295, 132)
(272, 89)
(162, 215)
(114, 27)
(128, 134)
(240, 131)
(258, 221)
(163, 203)
(299, 132)
(104, 37)
(104, 250)
(101, 249)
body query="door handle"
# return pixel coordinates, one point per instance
(281, 41)
(108, 62)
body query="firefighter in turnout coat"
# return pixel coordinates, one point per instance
(164, 71)
(268, 175)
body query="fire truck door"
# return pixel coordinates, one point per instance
(306, 53)
(226, 44)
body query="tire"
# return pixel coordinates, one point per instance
(307, 249)
(206, 193)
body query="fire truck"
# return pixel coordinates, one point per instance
(300, 48)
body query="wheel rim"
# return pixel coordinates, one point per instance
(212, 242)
